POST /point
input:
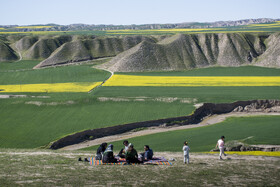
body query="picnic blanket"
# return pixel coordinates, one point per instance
(122, 161)
(158, 161)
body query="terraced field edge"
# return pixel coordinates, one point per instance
(207, 109)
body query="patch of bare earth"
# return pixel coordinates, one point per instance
(157, 99)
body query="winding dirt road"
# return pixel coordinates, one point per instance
(208, 121)
(112, 73)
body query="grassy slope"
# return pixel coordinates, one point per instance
(24, 64)
(29, 126)
(81, 73)
(264, 130)
(31, 168)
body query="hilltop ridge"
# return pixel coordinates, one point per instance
(185, 51)
(147, 53)
(80, 26)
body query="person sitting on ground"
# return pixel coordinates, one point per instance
(124, 150)
(131, 155)
(148, 154)
(108, 156)
(100, 151)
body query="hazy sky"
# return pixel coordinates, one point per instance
(26, 12)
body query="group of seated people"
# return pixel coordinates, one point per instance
(105, 153)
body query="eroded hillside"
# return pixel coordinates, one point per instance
(202, 50)
(147, 53)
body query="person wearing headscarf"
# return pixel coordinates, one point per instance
(100, 151)
(108, 156)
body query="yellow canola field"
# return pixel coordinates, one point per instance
(132, 80)
(56, 87)
(277, 23)
(252, 153)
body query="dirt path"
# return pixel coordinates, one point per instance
(19, 54)
(208, 121)
(112, 73)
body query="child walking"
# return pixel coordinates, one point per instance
(186, 150)
(220, 144)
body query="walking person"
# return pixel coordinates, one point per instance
(186, 150)
(221, 145)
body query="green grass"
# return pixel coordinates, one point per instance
(75, 73)
(263, 129)
(201, 94)
(33, 168)
(20, 122)
(24, 125)
(20, 65)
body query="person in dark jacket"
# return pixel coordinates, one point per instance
(148, 154)
(100, 151)
(108, 156)
(131, 155)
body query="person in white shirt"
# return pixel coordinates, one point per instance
(186, 150)
(124, 150)
(221, 145)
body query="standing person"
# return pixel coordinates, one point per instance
(100, 151)
(186, 150)
(124, 150)
(221, 144)
(131, 155)
(108, 156)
